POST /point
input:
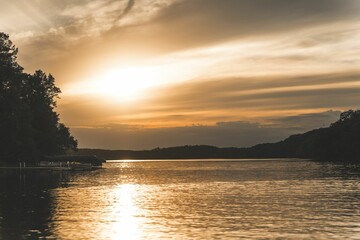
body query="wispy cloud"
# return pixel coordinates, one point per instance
(129, 6)
(224, 99)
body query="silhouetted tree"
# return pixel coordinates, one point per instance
(51, 136)
(15, 127)
(29, 126)
(340, 142)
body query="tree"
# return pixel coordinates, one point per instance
(51, 136)
(29, 126)
(15, 130)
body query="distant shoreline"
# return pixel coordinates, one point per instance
(205, 160)
(340, 142)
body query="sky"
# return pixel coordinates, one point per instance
(140, 74)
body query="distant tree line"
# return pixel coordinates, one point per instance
(338, 142)
(29, 126)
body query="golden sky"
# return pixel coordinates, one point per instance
(139, 74)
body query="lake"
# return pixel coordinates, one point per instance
(197, 199)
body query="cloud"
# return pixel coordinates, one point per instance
(305, 122)
(223, 134)
(163, 26)
(262, 94)
(204, 22)
(129, 6)
(77, 34)
(206, 102)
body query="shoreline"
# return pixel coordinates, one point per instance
(52, 168)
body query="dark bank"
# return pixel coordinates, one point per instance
(339, 142)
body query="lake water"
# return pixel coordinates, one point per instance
(281, 199)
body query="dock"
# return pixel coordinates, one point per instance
(62, 163)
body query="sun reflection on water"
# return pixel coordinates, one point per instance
(123, 220)
(98, 212)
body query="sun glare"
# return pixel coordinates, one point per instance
(123, 214)
(128, 83)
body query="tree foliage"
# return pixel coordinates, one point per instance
(29, 125)
(339, 142)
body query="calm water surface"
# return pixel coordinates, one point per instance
(282, 199)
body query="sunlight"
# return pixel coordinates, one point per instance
(125, 224)
(128, 83)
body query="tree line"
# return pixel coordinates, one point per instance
(29, 126)
(338, 142)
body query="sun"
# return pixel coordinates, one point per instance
(127, 83)
(124, 84)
